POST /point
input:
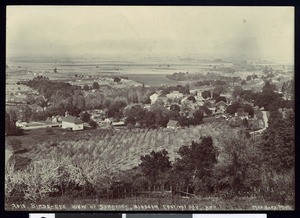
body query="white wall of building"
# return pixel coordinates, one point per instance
(72, 125)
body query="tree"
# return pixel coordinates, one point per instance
(245, 123)
(136, 111)
(219, 90)
(248, 95)
(220, 98)
(86, 87)
(205, 110)
(130, 121)
(279, 142)
(173, 115)
(237, 92)
(26, 113)
(267, 99)
(239, 166)
(249, 77)
(10, 124)
(30, 99)
(191, 98)
(183, 121)
(115, 108)
(155, 165)
(198, 116)
(146, 99)
(117, 79)
(268, 87)
(165, 91)
(243, 82)
(92, 123)
(42, 102)
(85, 117)
(55, 70)
(192, 172)
(149, 119)
(184, 89)
(162, 119)
(249, 109)
(79, 101)
(231, 109)
(96, 85)
(175, 107)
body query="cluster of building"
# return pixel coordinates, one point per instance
(71, 123)
(66, 122)
(188, 104)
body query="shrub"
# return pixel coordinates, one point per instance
(93, 124)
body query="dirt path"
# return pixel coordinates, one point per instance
(266, 123)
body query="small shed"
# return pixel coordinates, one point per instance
(172, 124)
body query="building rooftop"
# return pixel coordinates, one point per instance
(72, 119)
(172, 123)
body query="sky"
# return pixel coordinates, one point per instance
(157, 31)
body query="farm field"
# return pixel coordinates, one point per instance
(32, 138)
(122, 148)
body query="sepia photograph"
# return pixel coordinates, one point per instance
(149, 108)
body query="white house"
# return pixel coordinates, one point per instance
(175, 94)
(72, 122)
(153, 98)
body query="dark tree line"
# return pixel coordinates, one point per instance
(10, 124)
(268, 98)
(159, 116)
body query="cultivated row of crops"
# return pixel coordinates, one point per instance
(122, 149)
(94, 161)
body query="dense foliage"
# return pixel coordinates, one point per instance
(10, 124)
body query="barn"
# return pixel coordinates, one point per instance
(72, 122)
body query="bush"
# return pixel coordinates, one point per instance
(93, 124)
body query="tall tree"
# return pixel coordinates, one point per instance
(96, 85)
(279, 141)
(10, 123)
(195, 167)
(239, 166)
(206, 94)
(155, 165)
(26, 113)
(86, 87)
